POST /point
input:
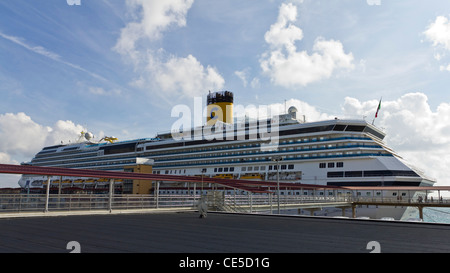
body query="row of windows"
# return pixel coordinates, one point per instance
(88, 157)
(226, 169)
(331, 165)
(231, 169)
(248, 136)
(70, 157)
(282, 192)
(231, 146)
(266, 159)
(303, 150)
(171, 172)
(372, 173)
(256, 168)
(97, 163)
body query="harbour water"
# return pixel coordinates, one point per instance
(430, 215)
(436, 215)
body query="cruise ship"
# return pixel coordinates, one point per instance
(337, 152)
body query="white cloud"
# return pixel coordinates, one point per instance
(155, 17)
(310, 112)
(102, 92)
(243, 74)
(291, 68)
(188, 75)
(177, 76)
(438, 32)
(46, 53)
(444, 68)
(63, 131)
(22, 137)
(255, 83)
(283, 33)
(6, 159)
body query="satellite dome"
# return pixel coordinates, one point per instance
(292, 109)
(88, 135)
(293, 112)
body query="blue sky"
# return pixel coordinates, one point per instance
(119, 67)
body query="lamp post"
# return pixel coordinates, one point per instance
(278, 159)
(203, 173)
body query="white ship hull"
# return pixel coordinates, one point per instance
(329, 153)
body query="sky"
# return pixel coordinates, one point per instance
(119, 67)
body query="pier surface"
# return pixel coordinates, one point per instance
(185, 232)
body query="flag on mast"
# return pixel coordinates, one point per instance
(378, 109)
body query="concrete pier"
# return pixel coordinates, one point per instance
(185, 232)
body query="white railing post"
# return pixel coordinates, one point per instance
(195, 194)
(157, 195)
(47, 194)
(270, 201)
(111, 194)
(251, 202)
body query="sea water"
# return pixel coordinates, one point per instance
(430, 215)
(436, 215)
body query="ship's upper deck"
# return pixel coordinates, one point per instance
(229, 132)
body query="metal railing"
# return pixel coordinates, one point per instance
(403, 200)
(218, 201)
(252, 203)
(16, 203)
